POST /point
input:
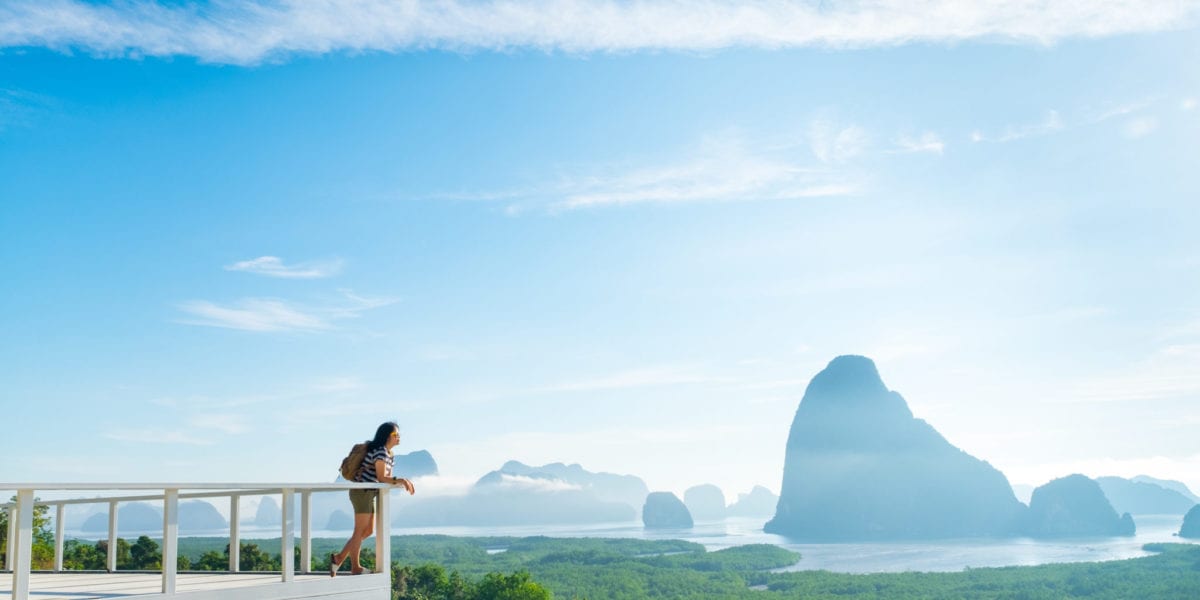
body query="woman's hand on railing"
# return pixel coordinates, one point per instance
(406, 484)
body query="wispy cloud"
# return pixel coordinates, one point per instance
(19, 107)
(253, 314)
(1140, 127)
(223, 422)
(156, 436)
(633, 378)
(733, 178)
(533, 484)
(222, 405)
(1187, 104)
(275, 315)
(833, 143)
(722, 168)
(1114, 110)
(926, 142)
(1173, 372)
(1050, 124)
(273, 266)
(251, 32)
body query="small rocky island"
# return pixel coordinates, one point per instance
(1074, 506)
(664, 510)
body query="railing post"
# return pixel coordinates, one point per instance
(10, 548)
(287, 550)
(23, 549)
(235, 543)
(306, 531)
(383, 532)
(60, 519)
(111, 562)
(170, 551)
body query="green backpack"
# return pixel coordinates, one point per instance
(352, 464)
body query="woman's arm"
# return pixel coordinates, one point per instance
(385, 476)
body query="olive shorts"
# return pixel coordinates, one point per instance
(363, 501)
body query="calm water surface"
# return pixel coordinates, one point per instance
(942, 555)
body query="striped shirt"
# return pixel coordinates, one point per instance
(368, 474)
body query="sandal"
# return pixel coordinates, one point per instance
(333, 564)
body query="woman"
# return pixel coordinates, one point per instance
(376, 468)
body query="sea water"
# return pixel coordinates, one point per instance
(856, 557)
(870, 557)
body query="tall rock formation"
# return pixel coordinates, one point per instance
(860, 467)
(1191, 523)
(1074, 506)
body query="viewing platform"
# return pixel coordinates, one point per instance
(19, 581)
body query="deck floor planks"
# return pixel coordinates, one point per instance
(89, 585)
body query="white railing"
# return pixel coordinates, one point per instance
(20, 523)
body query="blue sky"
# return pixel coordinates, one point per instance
(235, 238)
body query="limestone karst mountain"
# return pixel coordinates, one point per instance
(1143, 498)
(1191, 524)
(519, 494)
(706, 502)
(859, 466)
(195, 516)
(1074, 506)
(131, 517)
(1170, 484)
(664, 510)
(415, 464)
(758, 502)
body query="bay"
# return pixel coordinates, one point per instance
(857, 557)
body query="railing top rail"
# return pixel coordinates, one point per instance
(5, 486)
(218, 490)
(192, 496)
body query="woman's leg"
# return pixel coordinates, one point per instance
(364, 526)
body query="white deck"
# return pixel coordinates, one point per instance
(21, 583)
(201, 586)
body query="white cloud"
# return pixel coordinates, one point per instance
(833, 144)
(443, 485)
(1170, 373)
(1121, 110)
(253, 314)
(926, 142)
(1187, 104)
(1050, 124)
(156, 436)
(535, 484)
(1140, 127)
(722, 171)
(273, 315)
(251, 32)
(223, 422)
(19, 107)
(634, 378)
(273, 266)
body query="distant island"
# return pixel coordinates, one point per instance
(520, 494)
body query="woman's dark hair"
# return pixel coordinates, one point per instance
(382, 434)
